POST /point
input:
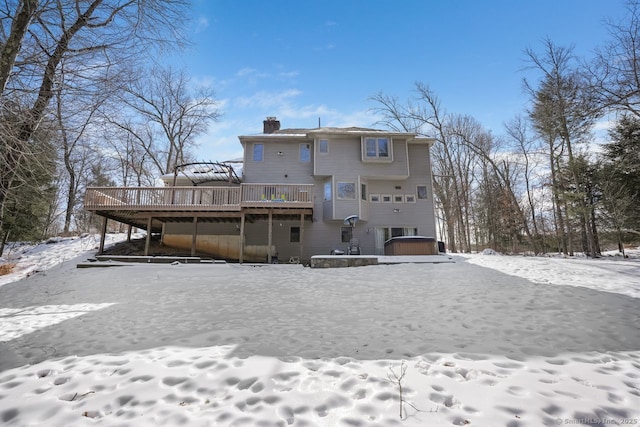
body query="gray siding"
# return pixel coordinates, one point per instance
(284, 168)
(343, 163)
(345, 155)
(419, 214)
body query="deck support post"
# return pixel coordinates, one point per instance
(194, 236)
(270, 236)
(301, 234)
(241, 251)
(147, 244)
(103, 234)
(129, 229)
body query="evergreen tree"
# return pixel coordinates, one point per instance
(620, 177)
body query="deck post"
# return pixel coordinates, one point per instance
(194, 236)
(129, 229)
(103, 234)
(147, 244)
(241, 257)
(270, 236)
(301, 234)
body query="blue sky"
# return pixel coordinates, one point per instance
(304, 60)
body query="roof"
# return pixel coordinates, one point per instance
(205, 172)
(310, 132)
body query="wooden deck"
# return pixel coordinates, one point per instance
(200, 199)
(134, 205)
(150, 207)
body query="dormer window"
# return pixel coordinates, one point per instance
(376, 149)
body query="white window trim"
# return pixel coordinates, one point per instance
(426, 191)
(409, 198)
(377, 158)
(398, 198)
(320, 145)
(386, 196)
(374, 198)
(355, 191)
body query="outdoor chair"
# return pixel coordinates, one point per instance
(354, 247)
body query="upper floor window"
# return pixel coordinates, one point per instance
(323, 146)
(305, 153)
(258, 152)
(422, 192)
(377, 149)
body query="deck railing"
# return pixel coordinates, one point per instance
(199, 198)
(287, 195)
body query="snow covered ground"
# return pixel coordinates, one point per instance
(486, 341)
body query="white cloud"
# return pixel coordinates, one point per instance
(220, 142)
(268, 99)
(246, 71)
(289, 74)
(604, 125)
(362, 118)
(202, 23)
(328, 46)
(210, 82)
(251, 75)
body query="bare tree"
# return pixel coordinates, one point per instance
(168, 114)
(75, 111)
(614, 74)
(451, 173)
(17, 30)
(130, 157)
(527, 150)
(97, 36)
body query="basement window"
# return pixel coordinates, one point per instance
(294, 235)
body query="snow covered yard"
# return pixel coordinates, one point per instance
(485, 341)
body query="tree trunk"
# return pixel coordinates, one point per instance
(5, 238)
(559, 225)
(11, 48)
(71, 200)
(34, 117)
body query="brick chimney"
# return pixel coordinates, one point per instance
(271, 125)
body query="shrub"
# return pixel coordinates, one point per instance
(6, 268)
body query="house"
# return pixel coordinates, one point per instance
(300, 192)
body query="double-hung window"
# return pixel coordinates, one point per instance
(377, 149)
(323, 146)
